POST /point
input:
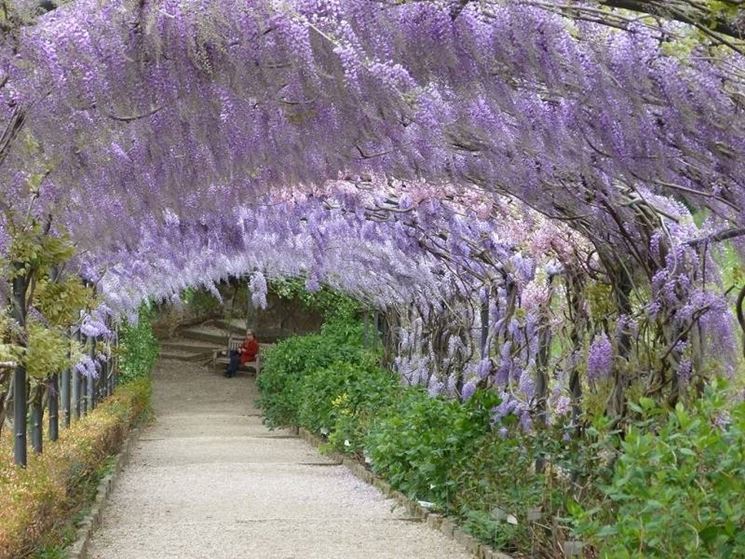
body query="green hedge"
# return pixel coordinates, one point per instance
(671, 485)
(342, 400)
(330, 384)
(37, 501)
(288, 363)
(40, 499)
(421, 441)
(678, 486)
(138, 347)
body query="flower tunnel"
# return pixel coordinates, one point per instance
(534, 203)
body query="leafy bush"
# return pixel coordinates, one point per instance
(287, 363)
(500, 489)
(138, 347)
(671, 485)
(423, 440)
(497, 486)
(201, 303)
(341, 400)
(40, 498)
(335, 306)
(678, 485)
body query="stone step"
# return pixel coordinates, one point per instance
(234, 326)
(205, 334)
(189, 346)
(219, 337)
(185, 356)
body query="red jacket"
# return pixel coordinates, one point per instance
(249, 350)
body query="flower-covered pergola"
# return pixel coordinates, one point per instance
(483, 173)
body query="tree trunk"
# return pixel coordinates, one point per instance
(578, 321)
(622, 286)
(542, 358)
(484, 313)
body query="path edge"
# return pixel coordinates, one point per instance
(438, 522)
(79, 549)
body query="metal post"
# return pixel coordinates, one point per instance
(75, 409)
(37, 417)
(368, 339)
(249, 306)
(107, 365)
(114, 359)
(90, 388)
(77, 404)
(53, 404)
(19, 376)
(92, 380)
(485, 326)
(105, 379)
(19, 416)
(109, 360)
(65, 396)
(110, 373)
(83, 391)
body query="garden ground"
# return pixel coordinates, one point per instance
(209, 480)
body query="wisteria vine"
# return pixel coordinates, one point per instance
(512, 188)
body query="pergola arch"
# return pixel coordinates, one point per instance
(403, 153)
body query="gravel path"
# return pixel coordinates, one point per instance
(209, 481)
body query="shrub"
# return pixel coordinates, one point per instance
(138, 347)
(677, 487)
(335, 306)
(422, 440)
(670, 485)
(500, 488)
(341, 400)
(287, 364)
(201, 303)
(39, 498)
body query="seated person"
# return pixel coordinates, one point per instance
(245, 354)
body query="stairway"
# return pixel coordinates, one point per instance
(195, 344)
(185, 349)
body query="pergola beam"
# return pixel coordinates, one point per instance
(676, 11)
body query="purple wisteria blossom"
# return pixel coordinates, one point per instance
(468, 390)
(405, 154)
(259, 290)
(87, 367)
(600, 358)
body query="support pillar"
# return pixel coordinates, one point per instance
(65, 397)
(53, 405)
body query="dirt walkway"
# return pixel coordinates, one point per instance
(209, 481)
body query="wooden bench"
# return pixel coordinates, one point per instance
(222, 356)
